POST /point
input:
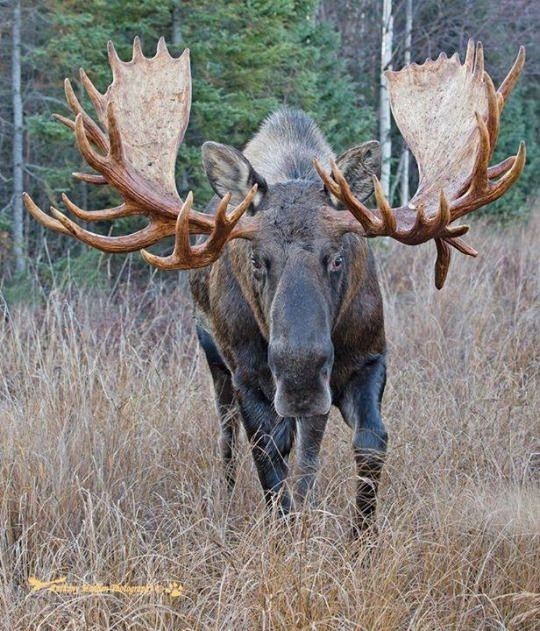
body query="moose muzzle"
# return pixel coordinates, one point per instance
(302, 384)
(300, 352)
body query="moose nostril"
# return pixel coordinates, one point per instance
(321, 359)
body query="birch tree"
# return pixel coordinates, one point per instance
(405, 194)
(18, 165)
(384, 99)
(176, 31)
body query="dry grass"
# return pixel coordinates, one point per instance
(110, 471)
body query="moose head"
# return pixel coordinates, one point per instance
(295, 270)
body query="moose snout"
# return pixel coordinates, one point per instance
(302, 378)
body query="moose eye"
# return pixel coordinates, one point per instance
(256, 262)
(336, 263)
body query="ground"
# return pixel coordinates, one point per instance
(109, 467)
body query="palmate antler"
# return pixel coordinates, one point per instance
(144, 113)
(448, 114)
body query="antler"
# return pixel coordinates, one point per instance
(448, 114)
(144, 115)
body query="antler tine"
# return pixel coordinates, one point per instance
(479, 60)
(94, 132)
(330, 184)
(182, 253)
(369, 221)
(505, 182)
(116, 151)
(499, 169)
(511, 78)
(225, 224)
(72, 100)
(107, 214)
(237, 213)
(90, 178)
(444, 215)
(455, 231)
(461, 246)
(143, 238)
(421, 221)
(471, 201)
(114, 59)
(479, 180)
(43, 218)
(57, 224)
(221, 213)
(94, 159)
(137, 50)
(186, 256)
(95, 95)
(162, 47)
(65, 121)
(493, 116)
(442, 263)
(469, 56)
(182, 245)
(388, 217)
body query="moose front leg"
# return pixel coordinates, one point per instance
(360, 406)
(271, 438)
(310, 434)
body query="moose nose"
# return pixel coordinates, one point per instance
(302, 378)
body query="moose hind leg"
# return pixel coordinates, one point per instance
(226, 405)
(360, 406)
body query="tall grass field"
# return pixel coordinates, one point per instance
(110, 472)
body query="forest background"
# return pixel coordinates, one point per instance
(248, 58)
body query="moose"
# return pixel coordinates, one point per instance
(288, 306)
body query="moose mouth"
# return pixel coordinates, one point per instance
(299, 400)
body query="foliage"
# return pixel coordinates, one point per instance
(519, 122)
(247, 59)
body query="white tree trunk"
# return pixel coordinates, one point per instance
(176, 26)
(178, 40)
(384, 100)
(18, 165)
(405, 193)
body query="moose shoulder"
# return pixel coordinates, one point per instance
(289, 309)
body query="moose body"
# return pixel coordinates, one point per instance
(289, 309)
(293, 322)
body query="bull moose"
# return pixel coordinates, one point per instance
(288, 306)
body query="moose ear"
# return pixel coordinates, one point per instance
(358, 165)
(228, 170)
